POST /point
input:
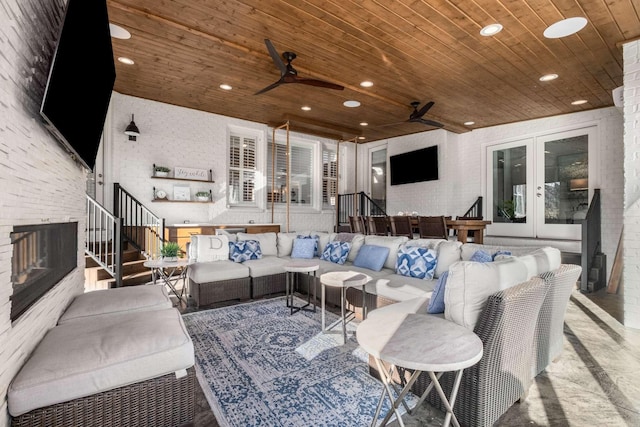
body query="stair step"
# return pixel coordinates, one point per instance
(130, 280)
(128, 268)
(127, 256)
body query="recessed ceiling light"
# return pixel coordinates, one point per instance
(469, 123)
(361, 137)
(306, 108)
(126, 60)
(225, 87)
(351, 104)
(579, 102)
(548, 77)
(366, 83)
(564, 28)
(491, 30)
(364, 124)
(118, 32)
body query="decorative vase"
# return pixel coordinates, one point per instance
(170, 258)
(162, 174)
(202, 198)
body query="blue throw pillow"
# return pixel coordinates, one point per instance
(499, 253)
(315, 238)
(244, 250)
(336, 252)
(436, 303)
(481, 256)
(303, 248)
(416, 261)
(371, 257)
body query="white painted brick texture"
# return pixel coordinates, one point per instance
(631, 274)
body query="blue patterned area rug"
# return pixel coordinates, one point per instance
(260, 366)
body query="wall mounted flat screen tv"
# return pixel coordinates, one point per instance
(414, 166)
(81, 79)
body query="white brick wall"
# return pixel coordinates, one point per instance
(38, 184)
(631, 274)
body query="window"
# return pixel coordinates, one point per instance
(329, 177)
(301, 172)
(242, 170)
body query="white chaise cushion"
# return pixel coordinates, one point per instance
(401, 288)
(78, 359)
(117, 301)
(268, 242)
(266, 266)
(206, 272)
(470, 283)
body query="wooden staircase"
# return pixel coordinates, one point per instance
(133, 272)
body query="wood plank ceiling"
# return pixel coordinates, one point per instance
(412, 50)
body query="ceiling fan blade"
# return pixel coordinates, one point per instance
(428, 122)
(319, 83)
(424, 109)
(271, 86)
(276, 57)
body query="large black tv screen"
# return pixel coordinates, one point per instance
(81, 79)
(414, 166)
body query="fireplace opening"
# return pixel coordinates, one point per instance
(42, 255)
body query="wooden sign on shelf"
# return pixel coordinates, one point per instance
(191, 173)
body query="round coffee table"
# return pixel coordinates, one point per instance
(301, 267)
(343, 280)
(423, 343)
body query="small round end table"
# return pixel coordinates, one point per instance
(301, 267)
(343, 280)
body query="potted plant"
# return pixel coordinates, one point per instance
(170, 251)
(202, 196)
(161, 171)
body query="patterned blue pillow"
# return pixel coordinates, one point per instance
(304, 248)
(244, 250)
(371, 257)
(499, 253)
(416, 261)
(481, 256)
(436, 303)
(336, 252)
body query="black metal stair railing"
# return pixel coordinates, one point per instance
(593, 261)
(141, 227)
(354, 204)
(475, 211)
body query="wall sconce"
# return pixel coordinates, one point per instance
(132, 130)
(579, 184)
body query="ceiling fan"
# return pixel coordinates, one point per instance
(288, 74)
(416, 115)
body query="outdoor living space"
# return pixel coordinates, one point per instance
(231, 140)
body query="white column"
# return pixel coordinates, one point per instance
(631, 242)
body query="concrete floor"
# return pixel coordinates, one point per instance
(595, 382)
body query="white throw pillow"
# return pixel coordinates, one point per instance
(209, 247)
(470, 284)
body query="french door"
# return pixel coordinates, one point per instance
(378, 176)
(541, 186)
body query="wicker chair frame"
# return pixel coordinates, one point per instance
(266, 285)
(163, 401)
(222, 290)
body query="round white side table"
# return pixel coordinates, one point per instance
(301, 267)
(343, 280)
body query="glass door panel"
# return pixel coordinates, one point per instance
(378, 178)
(510, 207)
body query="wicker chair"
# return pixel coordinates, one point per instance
(401, 226)
(433, 227)
(356, 224)
(377, 225)
(549, 336)
(503, 375)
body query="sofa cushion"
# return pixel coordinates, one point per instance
(416, 261)
(266, 266)
(400, 288)
(285, 241)
(470, 283)
(268, 241)
(542, 260)
(304, 247)
(209, 247)
(117, 301)
(78, 359)
(336, 252)
(391, 242)
(436, 303)
(468, 249)
(356, 240)
(244, 250)
(207, 272)
(371, 257)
